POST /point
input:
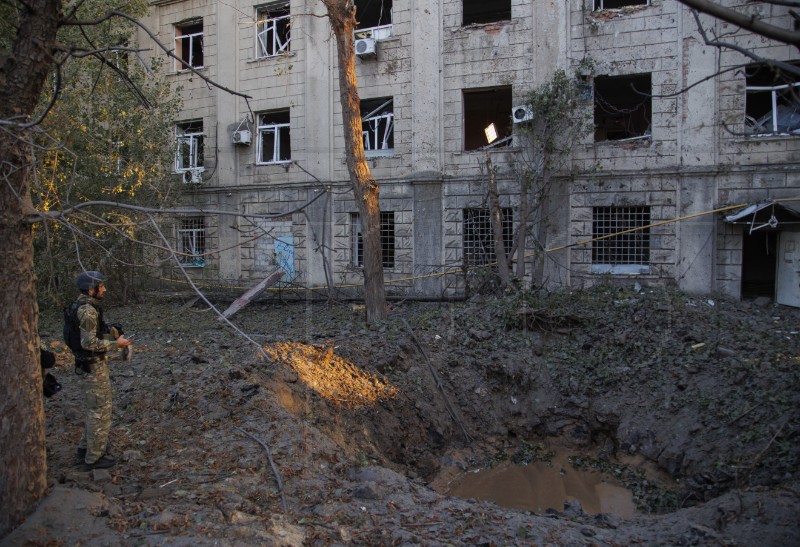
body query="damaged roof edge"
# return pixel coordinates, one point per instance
(789, 206)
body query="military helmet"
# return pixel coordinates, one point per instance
(89, 280)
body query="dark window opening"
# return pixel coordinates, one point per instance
(483, 11)
(387, 239)
(377, 124)
(615, 4)
(189, 45)
(759, 263)
(487, 118)
(622, 107)
(272, 29)
(622, 240)
(373, 13)
(772, 101)
(478, 236)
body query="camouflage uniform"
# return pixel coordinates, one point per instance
(97, 384)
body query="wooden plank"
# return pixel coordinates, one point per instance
(247, 297)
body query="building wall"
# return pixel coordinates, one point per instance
(690, 163)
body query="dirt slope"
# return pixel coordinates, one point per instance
(358, 422)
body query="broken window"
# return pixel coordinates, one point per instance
(487, 118)
(615, 4)
(481, 11)
(479, 237)
(374, 16)
(189, 45)
(377, 125)
(622, 107)
(621, 240)
(192, 241)
(189, 155)
(274, 145)
(772, 101)
(272, 29)
(387, 239)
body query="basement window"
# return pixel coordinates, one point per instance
(625, 244)
(189, 155)
(373, 19)
(387, 239)
(616, 4)
(273, 24)
(478, 237)
(622, 107)
(481, 11)
(487, 118)
(377, 126)
(192, 242)
(772, 101)
(189, 45)
(274, 144)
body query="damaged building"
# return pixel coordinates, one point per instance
(684, 179)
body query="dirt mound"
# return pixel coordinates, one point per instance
(358, 421)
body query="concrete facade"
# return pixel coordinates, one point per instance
(693, 158)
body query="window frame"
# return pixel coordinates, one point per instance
(631, 223)
(381, 31)
(185, 63)
(777, 92)
(282, 135)
(191, 240)
(477, 235)
(278, 26)
(388, 239)
(187, 132)
(376, 118)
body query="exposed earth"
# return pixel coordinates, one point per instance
(341, 433)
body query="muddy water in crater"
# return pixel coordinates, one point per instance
(539, 486)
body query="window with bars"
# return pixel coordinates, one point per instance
(387, 239)
(377, 125)
(273, 25)
(479, 237)
(625, 244)
(189, 155)
(274, 138)
(192, 241)
(622, 107)
(189, 45)
(772, 101)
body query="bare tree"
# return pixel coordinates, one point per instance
(365, 189)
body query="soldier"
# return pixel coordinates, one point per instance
(90, 340)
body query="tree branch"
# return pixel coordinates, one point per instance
(747, 22)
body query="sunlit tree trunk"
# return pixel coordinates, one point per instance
(365, 189)
(496, 213)
(22, 447)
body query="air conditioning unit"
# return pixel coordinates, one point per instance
(365, 47)
(242, 136)
(521, 114)
(192, 176)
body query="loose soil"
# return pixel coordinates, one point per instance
(343, 433)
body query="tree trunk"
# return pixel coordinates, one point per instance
(496, 214)
(23, 468)
(365, 189)
(522, 226)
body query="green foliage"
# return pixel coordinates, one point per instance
(108, 137)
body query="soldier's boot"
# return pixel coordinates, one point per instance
(103, 463)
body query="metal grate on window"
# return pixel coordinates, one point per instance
(627, 252)
(387, 239)
(479, 238)
(192, 241)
